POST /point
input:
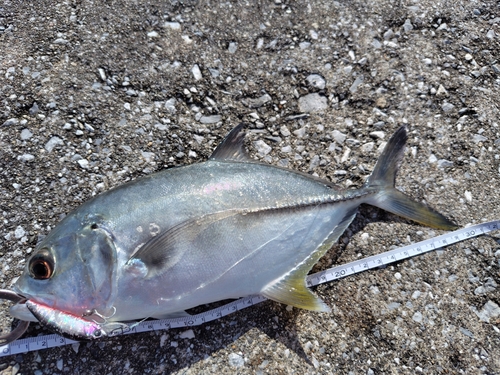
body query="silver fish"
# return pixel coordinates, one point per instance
(187, 236)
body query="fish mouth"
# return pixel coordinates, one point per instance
(22, 326)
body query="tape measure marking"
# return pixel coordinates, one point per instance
(335, 273)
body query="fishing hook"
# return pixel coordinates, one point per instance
(22, 326)
(103, 317)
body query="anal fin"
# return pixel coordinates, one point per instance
(291, 289)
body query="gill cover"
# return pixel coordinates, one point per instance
(98, 255)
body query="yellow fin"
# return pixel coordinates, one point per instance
(291, 289)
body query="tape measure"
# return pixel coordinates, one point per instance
(335, 273)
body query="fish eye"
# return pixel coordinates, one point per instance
(41, 265)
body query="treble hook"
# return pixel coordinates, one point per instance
(22, 326)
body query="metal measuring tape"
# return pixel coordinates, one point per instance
(335, 273)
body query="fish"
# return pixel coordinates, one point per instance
(192, 235)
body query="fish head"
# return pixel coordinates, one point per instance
(72, 270)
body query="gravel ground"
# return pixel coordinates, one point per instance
(94, 94)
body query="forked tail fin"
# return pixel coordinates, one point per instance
(389, 198)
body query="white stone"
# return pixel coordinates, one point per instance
(262, 147)
(468, 196)
(84, 163)
(339, 137)
(368, 147)
(417, 317)
(236, 360)
(441, 91)
(26, 134)
(489, 311)
(312, 103)
(196, 72)
(316, 81)
(19, 232)
(377, 134)
(172, 25)
(284, 131)
(26, 157)
(210, 119)
(53, 142)
(233, 47)
(189, 334)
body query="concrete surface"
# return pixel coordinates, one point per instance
(97, 93)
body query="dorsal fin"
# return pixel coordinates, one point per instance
(232, 147)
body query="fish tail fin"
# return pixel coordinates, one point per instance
(389, 198)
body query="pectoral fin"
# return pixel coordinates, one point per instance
(165, 250)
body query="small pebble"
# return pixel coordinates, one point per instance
(407, 26)
(258, 102)
(339, 137)
(358, 81)
(196, 72)
(417, 317)
(377, 134)
(489, 311)
(84, 163)
(232, 47)
(189, 334)
(34, 109)
(26, 134)
(314, 162)
(52, 143)
(476, 138)
(316, 81)
(468, 196)
(312, 103)
(367, 148)
(284, 131)
(11, 121)
(172, 25)
(300, 133)
(441, 91)
(443, 163)
(262, 147)
(447, 107)
(210, 119)
(26, 157)
(19, 232)
(236, 360)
